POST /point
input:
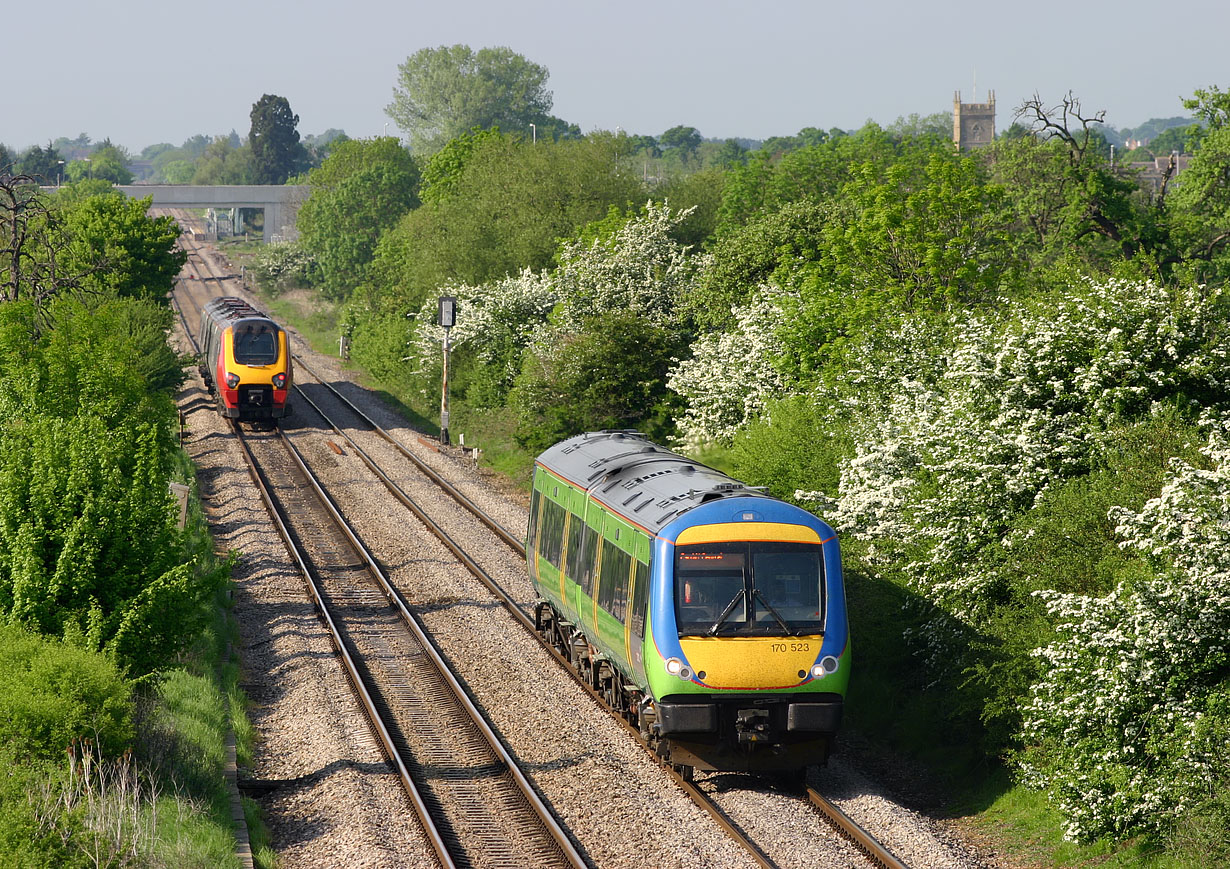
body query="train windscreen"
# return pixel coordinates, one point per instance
(256, 345)
(749, 589)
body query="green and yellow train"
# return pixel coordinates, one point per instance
(709, 614)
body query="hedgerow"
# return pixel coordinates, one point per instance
(946, 482)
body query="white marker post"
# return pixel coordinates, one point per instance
(446, 315)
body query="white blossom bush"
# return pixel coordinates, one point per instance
(280, 266)
(1121, 727)
(731, 375)
(619, 314)
(496, 321)
(640, 269)
(1024, 401)
(1131, 715)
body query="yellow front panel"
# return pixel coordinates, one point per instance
(725, 531)
(746, 663)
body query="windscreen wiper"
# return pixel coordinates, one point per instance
(730, 607)
(781, 621)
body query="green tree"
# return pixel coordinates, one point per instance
(607, 371)
(553, 129)
(106, 163)
(444, 168)
(360, 191)
(1070, 204)
(44, 164)
(119, 249)
(222, 162)
(680, 143)
(901, 239)
(1203, 197)
(274, 140)
(814, 172)
(29, 270)
(505, 211)
(1180, 140)
(916, 126)
(774, 244)
(443, 92)
(700, 195)
(177, 172)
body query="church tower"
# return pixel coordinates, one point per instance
(973, 124)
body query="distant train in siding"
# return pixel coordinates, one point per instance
(245, 361)
(707, 613)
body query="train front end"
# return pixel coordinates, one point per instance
(750, 657)
(253, 376)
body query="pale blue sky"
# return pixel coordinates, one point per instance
(142, 72)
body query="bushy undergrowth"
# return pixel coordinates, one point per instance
(53, 693)
(1034, 481)
(1007, 493)
(281, 267)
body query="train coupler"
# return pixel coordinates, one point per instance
(752, 726)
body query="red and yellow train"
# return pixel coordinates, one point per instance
(245, 361)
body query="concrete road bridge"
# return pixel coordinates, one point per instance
(280, 202)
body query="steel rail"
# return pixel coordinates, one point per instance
(352, 672)
(550, 822)
(848, 827)
(699, 797)
(503, 533)
(435, 838)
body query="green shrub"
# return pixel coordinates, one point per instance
(795, 445)
(52, 693)
(378, 344)
(610, 374)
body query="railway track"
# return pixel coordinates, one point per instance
(510, 541)
(845, 826)
(475, 806)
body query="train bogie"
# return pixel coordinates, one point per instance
(711, 614)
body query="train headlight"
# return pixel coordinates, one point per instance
(232, 380)
(279, 380)
(828, 664)
(676, 668)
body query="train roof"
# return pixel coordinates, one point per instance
(639, 479)
(233, 308)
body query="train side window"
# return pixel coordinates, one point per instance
(640, 598)
(590, 565)
(532, 531)
(576, 549)
(551, 542)
(613, 584)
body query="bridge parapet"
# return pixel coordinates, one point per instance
(280, 202)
